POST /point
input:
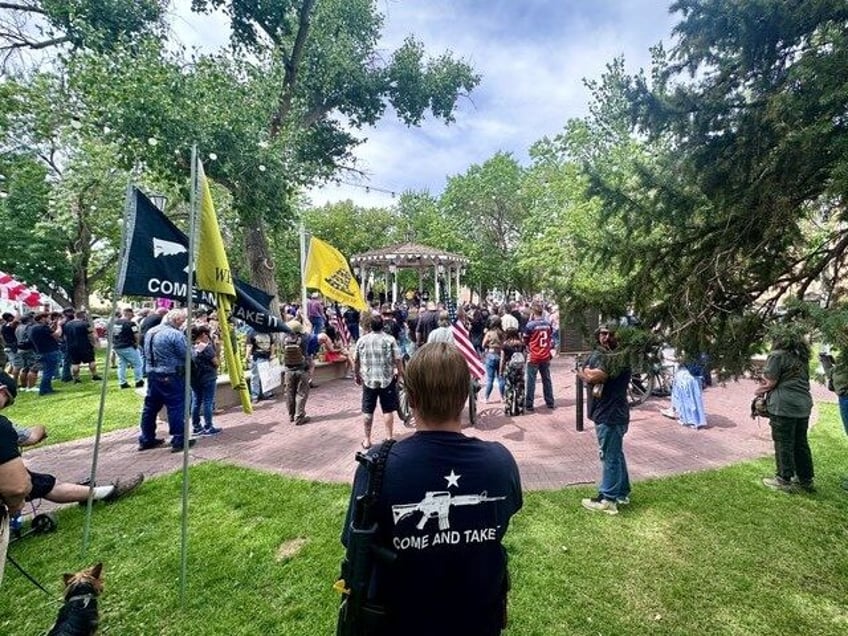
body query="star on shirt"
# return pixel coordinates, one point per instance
(453, 479)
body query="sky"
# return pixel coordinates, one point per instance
(533, 56)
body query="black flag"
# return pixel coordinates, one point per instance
(156, 262)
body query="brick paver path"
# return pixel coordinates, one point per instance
(550, 452)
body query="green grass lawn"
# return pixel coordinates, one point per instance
(707, 553)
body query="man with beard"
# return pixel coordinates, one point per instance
(608, 408)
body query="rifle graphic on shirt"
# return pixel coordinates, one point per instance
(437, 504)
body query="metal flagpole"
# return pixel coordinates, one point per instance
(192, 237)
(303, 301)
(104, 383)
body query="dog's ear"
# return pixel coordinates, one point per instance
(96, 570)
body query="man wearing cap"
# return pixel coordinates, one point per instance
(377, 368)
(427, 321)
(296, 365)
(609, 410)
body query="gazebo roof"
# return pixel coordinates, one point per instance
(408, 255)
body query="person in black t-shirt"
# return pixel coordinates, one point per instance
(610, 411)
(79, 340)
(125, 346)
(45, 342)
(444, 508)
(147, 323)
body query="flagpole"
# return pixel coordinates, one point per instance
(95, 456)
(303, 275)
(192, 238)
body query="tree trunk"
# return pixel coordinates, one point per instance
(80, 288)
(263, 270)
(81, 251)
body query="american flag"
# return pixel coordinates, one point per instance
(341, 327)
(460, 335)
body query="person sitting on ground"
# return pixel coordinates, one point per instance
(43, 485)
(452, 563)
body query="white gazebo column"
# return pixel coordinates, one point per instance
(449, 282)
(458, 267)
(420, 280)
(436, 281)
(393, 270)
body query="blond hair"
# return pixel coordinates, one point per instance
(437, 382)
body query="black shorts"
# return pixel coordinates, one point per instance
(41, 485)
(388, 399)
(81, 355)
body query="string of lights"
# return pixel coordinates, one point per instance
(367, 188)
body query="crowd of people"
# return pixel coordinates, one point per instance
(384, 347)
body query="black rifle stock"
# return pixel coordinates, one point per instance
(356, 615)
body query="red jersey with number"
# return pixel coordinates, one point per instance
(538, 336)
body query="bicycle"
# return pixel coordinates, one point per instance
(650, 377)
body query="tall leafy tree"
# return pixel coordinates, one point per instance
(749, 142)
(485, 210)
(279, 110)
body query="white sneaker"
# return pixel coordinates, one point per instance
(599, 504)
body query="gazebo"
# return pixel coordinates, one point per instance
(388, 261)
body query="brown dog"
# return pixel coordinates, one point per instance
(79, 615)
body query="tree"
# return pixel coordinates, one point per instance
(485, 211)
(35, 25)
(745, 121)
(64, 191)
(279, 110)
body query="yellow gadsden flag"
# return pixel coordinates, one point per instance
(213, 274)
(213, 268)
(327, 271)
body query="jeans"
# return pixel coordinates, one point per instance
(843, 411)
(256, 392)
(128, 356)
(66, 376)
(544, 369)
(615, 481)
(49, 366)
(203, 402)
(493, 361)
(167, 391)
(791, 449)
(317, 324)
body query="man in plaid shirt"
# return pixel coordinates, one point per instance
(377, 367)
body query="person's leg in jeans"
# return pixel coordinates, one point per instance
(173, 392)
(492, 362)
(121, 354)
(207, 402)
(255, 384)
(152, 405)
(843, 411)
(615, 483)
(547, 385)
(134, 358)
(530, 386)
(196, 400)
(50, 364)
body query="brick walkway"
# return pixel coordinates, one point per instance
(550, 452)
